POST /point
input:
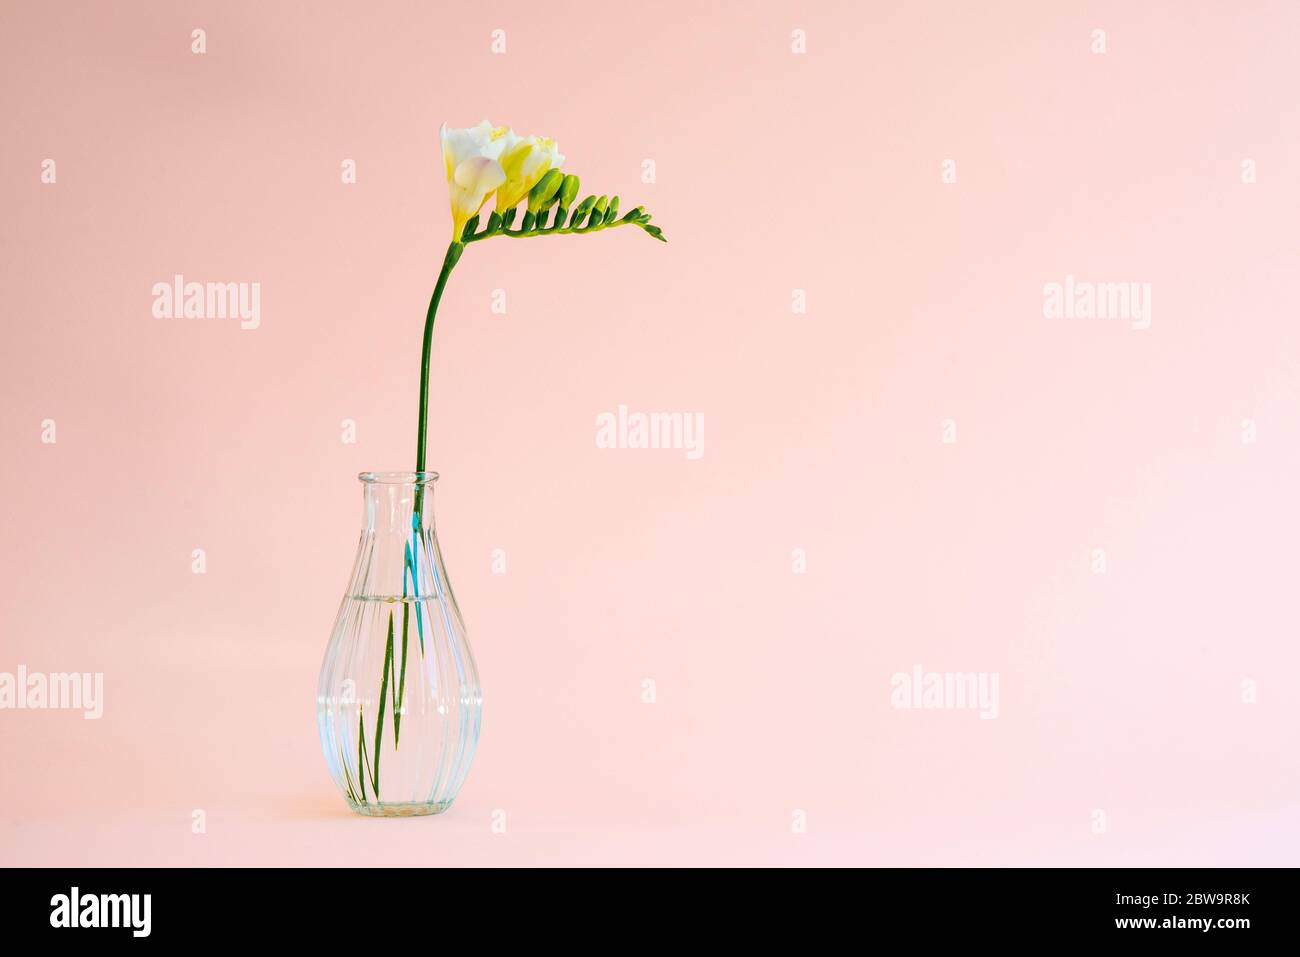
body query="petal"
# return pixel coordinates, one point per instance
(479, 173)
(448, 157)
(464, 142)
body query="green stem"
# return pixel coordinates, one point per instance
(448, 263)
(364, 765)
(453, 256)
(561, 231)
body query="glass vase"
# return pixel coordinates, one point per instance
(399, 701)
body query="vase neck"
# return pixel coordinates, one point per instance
(398, 556)
(398, 502)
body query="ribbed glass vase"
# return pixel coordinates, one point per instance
(399, 700)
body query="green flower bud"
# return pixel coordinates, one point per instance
(612, 212)
(634, 214)
(598, 211)
(494, 222)
(529, 219)
(580, 213)
(568, 190)
(540, 195)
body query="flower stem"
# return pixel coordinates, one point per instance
(453, 256)
(364, 765)
(448, 263)
(549, 230)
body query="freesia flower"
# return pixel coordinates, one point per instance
(525, 160)
(481, 161)
(474, 172)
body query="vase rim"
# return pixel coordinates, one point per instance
(398, 478)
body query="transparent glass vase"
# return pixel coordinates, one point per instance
(399, 699)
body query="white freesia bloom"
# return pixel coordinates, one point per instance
(474, 170)
(525, 161)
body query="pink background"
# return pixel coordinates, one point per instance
(1119, 692)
